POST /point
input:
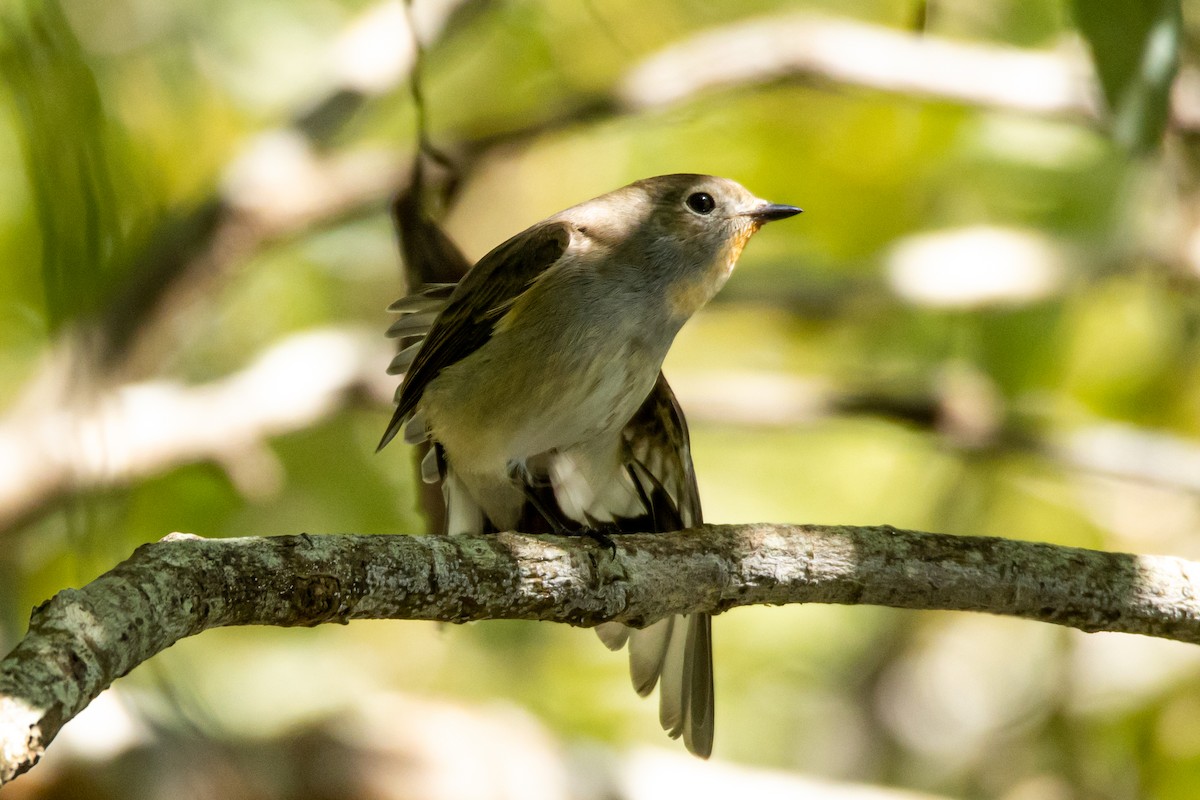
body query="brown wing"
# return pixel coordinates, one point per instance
(470, 316)
(658, 443)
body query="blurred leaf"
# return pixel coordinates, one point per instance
(61, 127)
(1135, 44)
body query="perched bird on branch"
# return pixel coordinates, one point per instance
(538, 386)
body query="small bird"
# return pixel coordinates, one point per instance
(538, 386)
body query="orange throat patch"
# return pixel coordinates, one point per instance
(688, 296)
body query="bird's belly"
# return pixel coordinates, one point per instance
(492, 412)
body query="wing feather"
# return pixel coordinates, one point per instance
(659, 444)
(468, 320)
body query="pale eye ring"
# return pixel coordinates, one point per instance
(701, 202)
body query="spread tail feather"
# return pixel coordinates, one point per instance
(647, 654)
(675, 653)
(698, 686)
(613, 634)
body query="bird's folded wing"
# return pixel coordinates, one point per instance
(471, 313)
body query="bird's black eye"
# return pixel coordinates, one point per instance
(701, 202)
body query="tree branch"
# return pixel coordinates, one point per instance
(81, 640)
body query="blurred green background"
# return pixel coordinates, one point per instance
(986, 322)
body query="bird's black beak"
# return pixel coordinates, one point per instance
(769, 212)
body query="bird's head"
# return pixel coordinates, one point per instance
(694, 227)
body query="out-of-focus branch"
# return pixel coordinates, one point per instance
(143, 429)
(1131, 453)
(961, 408)
(795, 46)
(282, 182)
(652, 774)
(82, 640)
(374, 742)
